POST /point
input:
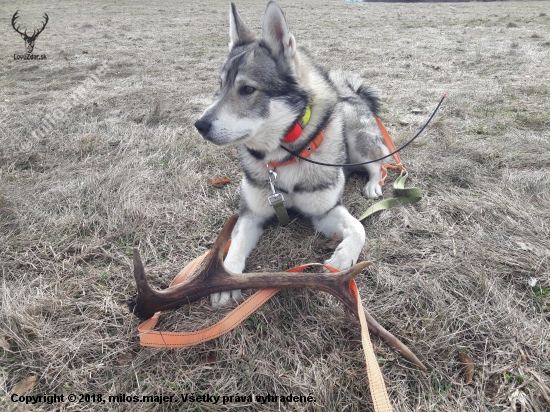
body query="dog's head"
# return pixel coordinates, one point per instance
(260, 97)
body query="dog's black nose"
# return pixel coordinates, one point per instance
(202, 126)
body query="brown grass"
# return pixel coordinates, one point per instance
(465, 270)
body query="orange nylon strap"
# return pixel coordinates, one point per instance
(391, 146)
(160, 339)
(377, 387)
(314, 144)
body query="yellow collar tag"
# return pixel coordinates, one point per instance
(306, 116)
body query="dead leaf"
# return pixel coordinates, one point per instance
(210, 359)
(25, 385)
(125, 359)
(88, 138)
(468, 366)
(219, 182)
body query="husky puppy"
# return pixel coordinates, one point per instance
(267, 85)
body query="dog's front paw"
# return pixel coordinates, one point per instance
(372, 189)
(222, 298)
(341, 259)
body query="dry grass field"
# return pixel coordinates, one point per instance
(98, 154)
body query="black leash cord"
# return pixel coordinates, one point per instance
(376, 160)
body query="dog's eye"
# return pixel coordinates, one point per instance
(246, 90)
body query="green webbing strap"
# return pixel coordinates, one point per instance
(404, 197)
(280, 211)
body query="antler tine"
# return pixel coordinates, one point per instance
(219, 245)
(375, 328)
(13, 19)
(145, 295)
(139, 273)
(43, 25)
(144, 304)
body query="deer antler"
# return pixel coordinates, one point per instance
(215, 278)
(15, 16)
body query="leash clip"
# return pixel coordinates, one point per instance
(275, 196)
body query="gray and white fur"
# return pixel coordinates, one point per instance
(266, 84)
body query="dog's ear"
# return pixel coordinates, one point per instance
(238, 32)
(276, 34)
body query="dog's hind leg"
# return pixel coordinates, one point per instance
(338, 221)
(244, 238)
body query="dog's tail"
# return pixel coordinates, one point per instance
(370, 96)
(352, 81)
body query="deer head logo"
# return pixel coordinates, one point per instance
(29, 40)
